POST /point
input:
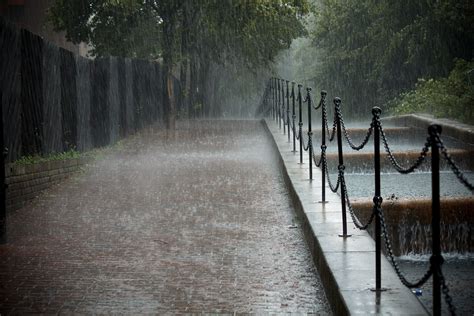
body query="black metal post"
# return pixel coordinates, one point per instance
(288, 109)
(376, 111)
(337, 103)
(278, 105)
(271, 97)
(293, 116)
(300, 123)
(3, 210)
(436, 257)
(275, 99)
(265, 98)
(323, 145)
(310, 134)
(283, 104)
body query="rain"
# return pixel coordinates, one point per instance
(142, 166)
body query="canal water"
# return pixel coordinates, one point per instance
(458, 268)
(413, 185)
(458, 271)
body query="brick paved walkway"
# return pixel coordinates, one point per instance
(196, 222)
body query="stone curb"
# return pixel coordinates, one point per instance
(346, 265)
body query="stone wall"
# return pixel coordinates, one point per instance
(25, 182)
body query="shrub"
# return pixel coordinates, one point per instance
(451, 97)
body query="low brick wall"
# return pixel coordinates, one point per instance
(25, 182)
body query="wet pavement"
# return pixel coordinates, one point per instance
(346, 264)
(195, 221)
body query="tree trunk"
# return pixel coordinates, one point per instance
(171, 121)
(168, 28)
(183, 79)
(203, 80)
(193, 87)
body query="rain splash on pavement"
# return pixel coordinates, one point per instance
(198, 220)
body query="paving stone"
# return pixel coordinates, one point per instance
(188, 222)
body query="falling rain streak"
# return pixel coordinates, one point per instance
(198, 222)
(183, 206)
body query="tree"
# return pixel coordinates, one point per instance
(195, 35)
(451, 97)
(367, 51)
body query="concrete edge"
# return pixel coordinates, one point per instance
(345, 272)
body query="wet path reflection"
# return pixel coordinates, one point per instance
(197, 221)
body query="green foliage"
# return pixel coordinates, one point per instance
(233, 35)
(112, 27)
(451, 97)
(29, 160)
(96, 153)
(367, 52)
(216, 29)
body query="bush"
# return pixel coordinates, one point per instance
(451, 97)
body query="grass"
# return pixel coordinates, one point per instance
(29, 160)
(96, 153)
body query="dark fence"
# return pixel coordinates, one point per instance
(53, 101)
(276, 104)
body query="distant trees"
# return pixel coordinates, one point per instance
(369, 51)
(191, 37)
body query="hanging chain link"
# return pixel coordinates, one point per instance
(331, 186)
(355, 220)
(388, 247)
(321, 157)
(320, 161)
(331, 134)
(447, 296)
(457, 172)
(421, 158)
(300, 131)
(348, 138)
(321, 101)
(310, 142)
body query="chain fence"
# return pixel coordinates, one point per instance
(433, 142)
(332, 187)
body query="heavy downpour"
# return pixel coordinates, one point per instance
(236, 156)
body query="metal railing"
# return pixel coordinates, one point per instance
(339, 132)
